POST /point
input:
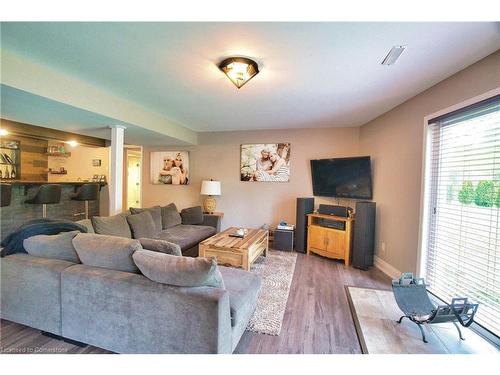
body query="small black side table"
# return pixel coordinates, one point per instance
(283, 239)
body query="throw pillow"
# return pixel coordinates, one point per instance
(155, 213)
(112, 225)
(180, 271)
(142, 225)
(192, 216)
(103, 251)
(57, 246)
(160, 246)
(170, 216)
(87, 223)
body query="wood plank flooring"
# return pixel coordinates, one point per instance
(317, 318)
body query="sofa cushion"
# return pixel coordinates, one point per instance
(192, 216)
(110, 252)
(170, 217)
(160, 246)
(57, 246)
(180, 271)
(155, 214)
(87, 223)
(112, 225)
(186, 236)
(243, 288)
(142, 225)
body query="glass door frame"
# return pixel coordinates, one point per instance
(425, 192)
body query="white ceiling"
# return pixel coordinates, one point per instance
(21, 106)
(312, 74)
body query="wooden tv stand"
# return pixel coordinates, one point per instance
(329, 242)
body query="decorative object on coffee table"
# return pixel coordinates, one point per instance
(235, 251)
(210, 188)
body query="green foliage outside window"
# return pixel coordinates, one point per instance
(485, 194)
(466, 194)
(497, 199)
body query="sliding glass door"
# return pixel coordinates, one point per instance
(462, 248)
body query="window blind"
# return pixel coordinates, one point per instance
(463, 244)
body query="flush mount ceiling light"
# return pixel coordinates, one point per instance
(393, 55)
(239, 70)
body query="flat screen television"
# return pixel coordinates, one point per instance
(342, 177)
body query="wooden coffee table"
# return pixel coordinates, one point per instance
(234, 251)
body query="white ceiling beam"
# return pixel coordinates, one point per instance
(24, 74)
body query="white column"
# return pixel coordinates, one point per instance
(116, 170)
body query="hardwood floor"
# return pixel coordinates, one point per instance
(317, 318)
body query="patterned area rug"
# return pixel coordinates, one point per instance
(276, 271)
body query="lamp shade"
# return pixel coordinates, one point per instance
(210, 188)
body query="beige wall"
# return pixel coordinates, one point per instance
(79, 164)
(394, 141)
(251, 203)
(79, 167)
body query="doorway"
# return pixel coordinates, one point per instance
(132, 181)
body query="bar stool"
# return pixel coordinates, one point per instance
(46, 194)
(6, 194)
(86, 192)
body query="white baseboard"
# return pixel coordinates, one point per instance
(386, 268)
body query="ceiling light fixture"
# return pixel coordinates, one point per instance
(239, 70)
(393, 55)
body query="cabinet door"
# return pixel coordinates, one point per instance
(317, 238)
(335, 243)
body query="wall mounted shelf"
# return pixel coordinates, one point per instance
(56, 172)
(59, 154)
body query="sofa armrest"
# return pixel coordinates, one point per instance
(212, 220)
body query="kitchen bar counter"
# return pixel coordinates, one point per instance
(28, 182)
(19, 212)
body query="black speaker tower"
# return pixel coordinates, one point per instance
(304, 206)
(364, 235)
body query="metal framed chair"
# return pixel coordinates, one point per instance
(413, 299)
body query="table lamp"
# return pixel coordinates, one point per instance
(210, 188)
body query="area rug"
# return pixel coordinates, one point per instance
(375, 313)
(276, 271)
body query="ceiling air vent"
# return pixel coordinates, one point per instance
(393, 55)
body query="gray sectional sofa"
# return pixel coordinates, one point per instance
(125, 311)
(186, 229)
(88, 288)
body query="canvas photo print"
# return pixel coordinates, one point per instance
(266, 162)
(169, 167)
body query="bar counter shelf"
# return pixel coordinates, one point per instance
(59, 154)
(57, 172)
